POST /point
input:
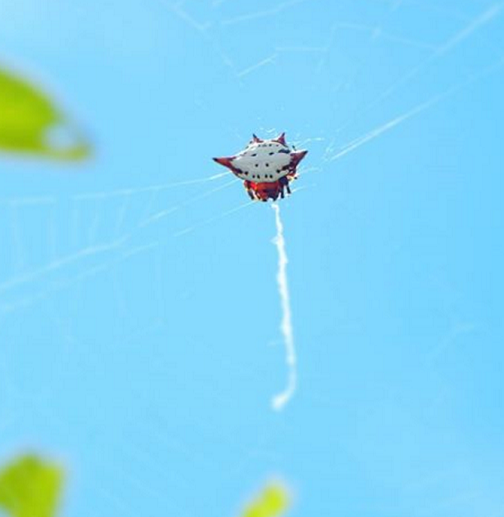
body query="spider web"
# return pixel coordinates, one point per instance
(86, 303)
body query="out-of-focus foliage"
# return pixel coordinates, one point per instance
(273, 501)
(30, 487)
(27, 117)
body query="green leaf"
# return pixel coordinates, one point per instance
(273, 501)
(27, 117)
(30, 487)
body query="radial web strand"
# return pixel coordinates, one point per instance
(278, 402)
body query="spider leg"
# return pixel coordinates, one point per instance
(249, 189)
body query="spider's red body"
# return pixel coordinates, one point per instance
(266, 167)
(268, 190)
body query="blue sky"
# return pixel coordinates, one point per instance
(139, 318)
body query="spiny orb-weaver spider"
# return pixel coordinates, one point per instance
(265, 166)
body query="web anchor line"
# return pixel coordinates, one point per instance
(280, 400)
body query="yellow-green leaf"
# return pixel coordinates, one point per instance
(27, 118)
(273, 501)
(30, 487)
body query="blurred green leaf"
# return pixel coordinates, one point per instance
(30, 487)
(27, 117)
(273, 501)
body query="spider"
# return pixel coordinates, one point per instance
(266, 167)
